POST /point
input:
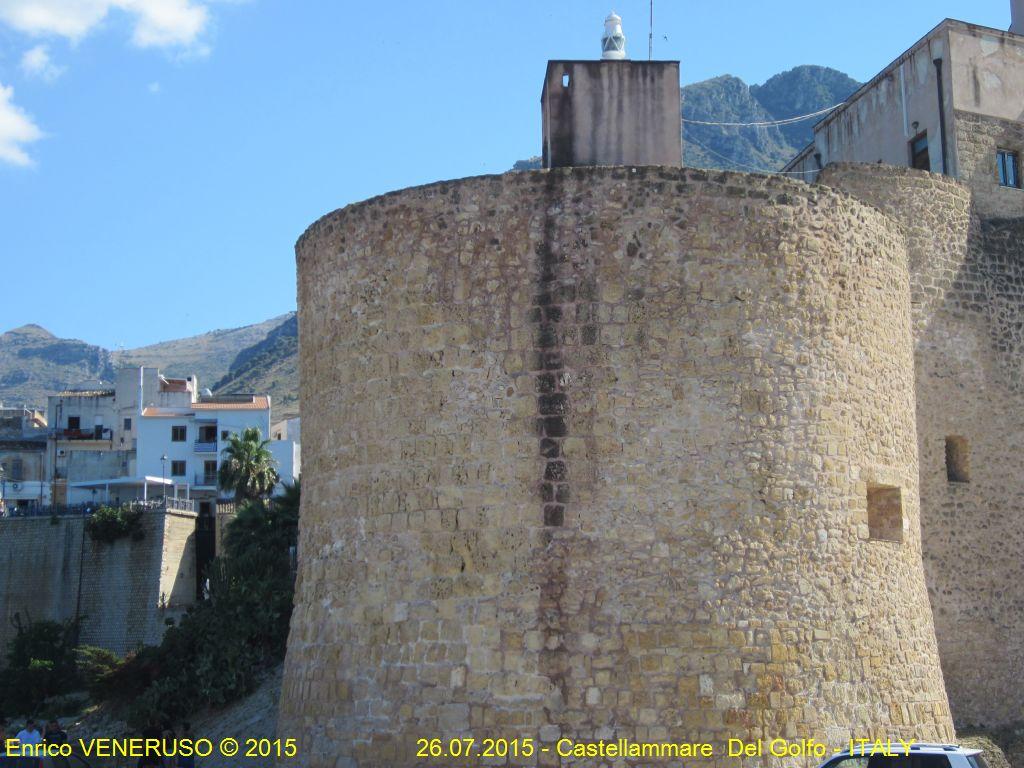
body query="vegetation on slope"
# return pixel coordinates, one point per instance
(269, 367)
(34, 363)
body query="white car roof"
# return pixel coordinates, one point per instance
(919, 748)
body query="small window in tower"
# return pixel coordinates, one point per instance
(1008, 168)
(885, 512)
(919, 152)
(958, 467)
(565, 79)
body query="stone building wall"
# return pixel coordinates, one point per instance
(589, 453)
(123, 591)
(977, 139)
(967, 288)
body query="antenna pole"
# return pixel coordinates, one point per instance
(650, 37)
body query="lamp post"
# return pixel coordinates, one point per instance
(3, 493)
(163, 475)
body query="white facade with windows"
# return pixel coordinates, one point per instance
(149, 436)
(184, 445)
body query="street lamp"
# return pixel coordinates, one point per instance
(163, 475)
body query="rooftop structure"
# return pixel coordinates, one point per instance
(611, 111)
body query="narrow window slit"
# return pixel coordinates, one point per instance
(958, 465)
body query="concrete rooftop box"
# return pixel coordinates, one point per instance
(611, 113)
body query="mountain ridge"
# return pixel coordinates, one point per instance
(35, 363)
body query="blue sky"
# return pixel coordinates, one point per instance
(159, 158)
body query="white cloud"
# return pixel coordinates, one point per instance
(36, 62)
(16, 130)
(154, 87)
(157, 23)
(164, 23)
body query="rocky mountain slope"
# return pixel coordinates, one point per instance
(727, 99)
(270, 366)
(208, 355)
(34, 363)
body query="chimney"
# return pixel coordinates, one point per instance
(1017, 17)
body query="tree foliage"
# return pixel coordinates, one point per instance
(247, 468)
(40, 664)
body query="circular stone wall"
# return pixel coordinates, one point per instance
(589, 453)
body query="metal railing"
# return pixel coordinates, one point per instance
(83, 434)
(206, 446)
(181, 505)
(87, 508)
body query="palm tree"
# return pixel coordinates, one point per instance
(247, 467)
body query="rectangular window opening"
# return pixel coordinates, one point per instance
(178, 434)
(74, 422)
(565, 79)
(958, 466)
(1008, 168)
(885, 512)
(919, 152)
(177, 469)
(127, 424)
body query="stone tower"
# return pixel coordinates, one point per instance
(604, 453)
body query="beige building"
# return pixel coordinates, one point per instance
(951, 104)
(23, 479)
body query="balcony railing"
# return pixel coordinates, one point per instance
(85, 509)
(206, 478)
(180, 505)
(206, 446)
(83, 434)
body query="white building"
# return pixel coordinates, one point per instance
(151, 435)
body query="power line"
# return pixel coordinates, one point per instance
(785, 121)
(745, 165)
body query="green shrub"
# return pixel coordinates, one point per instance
(108, 524)
(40, 664)
(95, 665)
